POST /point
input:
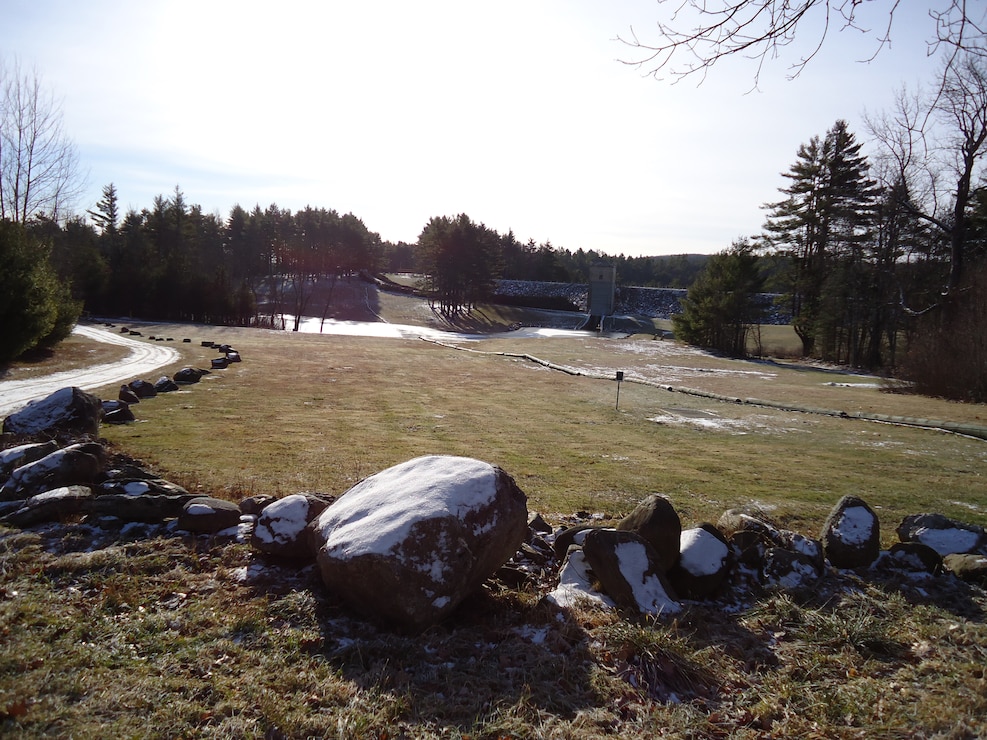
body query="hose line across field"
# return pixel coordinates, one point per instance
(968, 430)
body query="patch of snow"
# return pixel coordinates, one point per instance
(947, 541)
(136, 488)
(855, 526)
(701, 553)
(575, 585)
(649, 593)
(796, 577)
(534, 635)
(199, 510)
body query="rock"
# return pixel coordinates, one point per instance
(537, 524)
(408, 544)
(703, 564)
(968, 566)
(233, 356)
(68, 411)
(254, 505)
(24, 454)
(914, 556)
(220, 363)
(629, 570)
(188, 375)
(751, 534)
(656, 520)
(54, 505)
(117, 412)
(127, 395)
(165, 385)
(148, 508)
(281, 527)
(851, 535)
(788, 570)
(207, 515)
(128, 484)
(143, 389)
(571, 536)
(944, 535)
(78, 464)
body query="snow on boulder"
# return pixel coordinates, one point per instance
(69, 411)
(207, 515)
(78, 464)
(281, 526)
(576, 584)
(703, 564)
(629, 570)
(408, 544)
(851, 534)
(944, 535)
(656, 520)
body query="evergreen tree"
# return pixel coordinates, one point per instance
(823, 222)
(722, 308)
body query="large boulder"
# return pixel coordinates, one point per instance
(67, 412)
(703, 564)
(78, 464)
(408, 544)
(629, 570)
(656, 520)
(281, 526)
(576, 584)
(150, 508)
(944, 535)
(970, 567)
(117, 412)
(851, 534)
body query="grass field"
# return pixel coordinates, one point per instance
(190, 637)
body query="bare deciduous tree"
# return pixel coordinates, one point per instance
(39, 169)
(701, 33)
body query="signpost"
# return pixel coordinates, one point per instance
(620, 377)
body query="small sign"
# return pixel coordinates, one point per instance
(620, 375)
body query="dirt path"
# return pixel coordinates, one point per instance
(143, 358)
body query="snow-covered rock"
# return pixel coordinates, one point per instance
(851, 535)
(77, 464)
(629, 570)
(24, 454)
(944, 535)
(52, 505)
(208, 515)
(703, 564)
(576, 584)
(281, 526)
(408, 544)
(67, 411)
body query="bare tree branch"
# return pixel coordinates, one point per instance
(701, 33)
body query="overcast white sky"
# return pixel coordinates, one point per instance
(516, 112)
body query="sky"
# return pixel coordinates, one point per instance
(523, 114)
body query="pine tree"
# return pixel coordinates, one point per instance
(823, 225)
